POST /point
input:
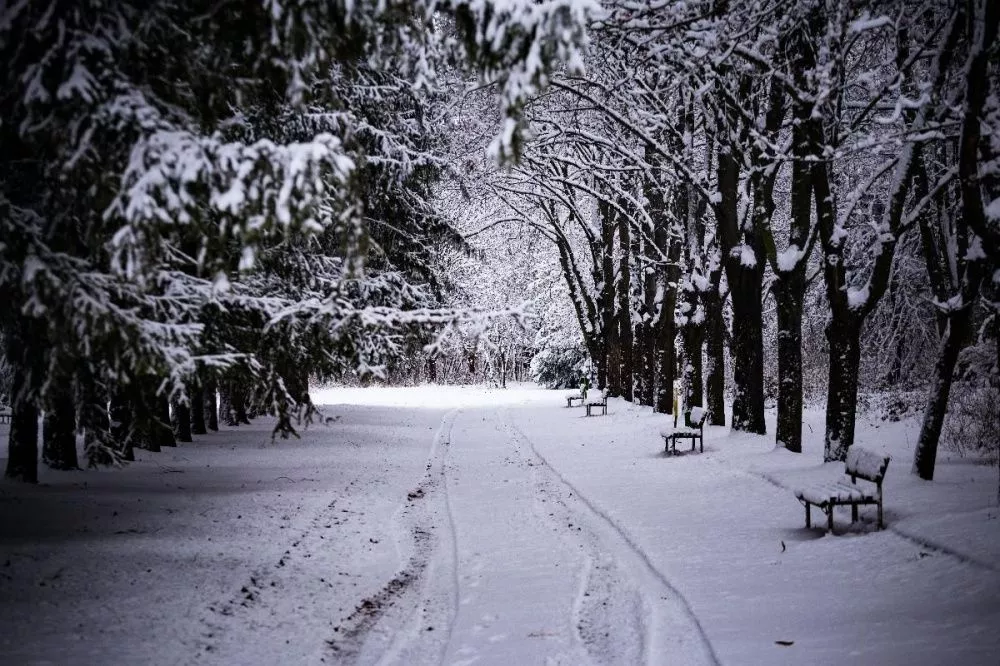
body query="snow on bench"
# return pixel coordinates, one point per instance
(696, 416)
(5, 417)
(860, 464)
(596, 398)
(570, 397)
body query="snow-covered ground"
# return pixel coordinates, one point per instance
(453, 525)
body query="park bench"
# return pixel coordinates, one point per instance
(596, 398)
(573, 396)
(696, 416)
(5, 418)
(860, 464)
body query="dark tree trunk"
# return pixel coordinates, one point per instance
(22, 446)
(432, 373)
(789, 291)
(666, 353)
(198, 412)
(22, 441)
(182, 421)
(746, 291)
(648, 362)
(606, 297)
(237, 412)
(747, 349)
(715, 330)
(94, 419)
(163, 430)
(211, 407)
(625, 311)
(639, 371)
(955, 337)
(121, 424)
(145, 424)
(842, 397)
(694, 337)
(59, 432)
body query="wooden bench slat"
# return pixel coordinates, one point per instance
(697, 416)
(860, 464)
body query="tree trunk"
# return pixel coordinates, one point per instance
(625, 312)
(182, 421)
(842, 395)
(789, 292)
(694, 337)
(639, 368)
(145, 433)
(198, 411)
(59, 432)
(747, 350)
(666, 352)
(22, 445)
(648, 363)
(715, 329)
(121, 424)
(164, 431)
(211, 407)
(955, 337)
(94, 419)
(746, 291)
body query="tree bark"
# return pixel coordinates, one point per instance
(94, 419)
(59, 432)
(22, 446)
(746, 292)
(606, 297)
(182, 421)
(211, 407)
(624, 323)
(789, 291)
(145, 431)
(842, 399)
(694, 337)
(198, 411)
(121, 424)
(164, 431)
(956, 334)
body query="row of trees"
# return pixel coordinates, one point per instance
(840, 159)
(198, 196)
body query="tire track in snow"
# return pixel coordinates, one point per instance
(672, 621)
(263, 585)
(409, 620)
(608, 613)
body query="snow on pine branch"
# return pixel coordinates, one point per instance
(177, 178)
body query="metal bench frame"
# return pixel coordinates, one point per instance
(851, 469)
(697, 436)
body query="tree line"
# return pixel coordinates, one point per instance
(838, 160)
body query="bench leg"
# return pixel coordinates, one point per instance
(880, 513)
(808, 516)
(854, 513)
(701, 445)
(829, 519)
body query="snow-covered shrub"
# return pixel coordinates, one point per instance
(970, 427)
(559, 367)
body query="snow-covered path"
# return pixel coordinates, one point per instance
(461, 526)
(522, 570)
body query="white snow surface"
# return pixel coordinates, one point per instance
(449, 525)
